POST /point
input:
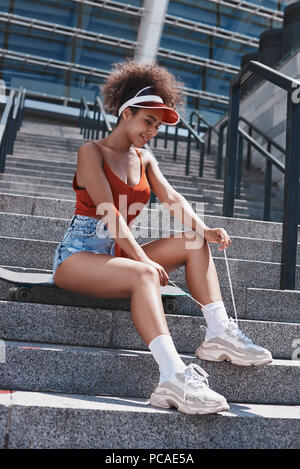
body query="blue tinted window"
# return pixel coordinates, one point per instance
(37, 42)
(271, 4)
(4, 5)
(136, 3)
(110, 23)
(229, 52)
(183, 40)
(198, 10)
(100, 56)
(217, 82)
(62, 12)
(189, 74)
(242, 22)
(121, 25)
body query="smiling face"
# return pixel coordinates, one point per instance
(142, 126)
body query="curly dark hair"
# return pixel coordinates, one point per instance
(127, 78)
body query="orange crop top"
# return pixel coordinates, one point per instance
(138, 193)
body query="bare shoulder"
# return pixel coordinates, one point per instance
(146, 156)
(89, 145)
(87, 153)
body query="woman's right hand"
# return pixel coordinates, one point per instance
(163, 276)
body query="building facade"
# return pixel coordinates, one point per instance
(66, 48)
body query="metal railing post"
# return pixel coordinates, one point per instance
(268, 188)
(220, 151)
(175, 143)
(291, 196)
(202, 153)
(209, 141)
(239, 166)
(166, 137)
(248, 164)
(188, 154)
(231, 150)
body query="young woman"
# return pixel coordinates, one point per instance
(99, 256)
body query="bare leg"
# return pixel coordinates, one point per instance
(200, 272)
(201, 276)
(105, 276)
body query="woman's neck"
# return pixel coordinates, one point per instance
(118, 142)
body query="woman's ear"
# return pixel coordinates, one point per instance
(127, 113)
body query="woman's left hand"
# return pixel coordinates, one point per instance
(218, 235)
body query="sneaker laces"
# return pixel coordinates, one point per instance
(231, 291)
(233, 326)
(196, 377)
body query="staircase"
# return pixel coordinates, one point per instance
(68, 357)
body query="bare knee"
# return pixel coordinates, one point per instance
(146, 273)
(194, 241)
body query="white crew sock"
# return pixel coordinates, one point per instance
(166, 356)
(216, 318)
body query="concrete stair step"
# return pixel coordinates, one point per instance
(32, 366)
(15, 231)
(243, 272)
(192, 172)
(36, 167)
(29, 140)
(32, 129)
(96, 327)
(46, 207)
(46, 191)
(33, 193)
(56, 165)
(64, 178)
(49, 149)
(50, 171)
(70, 157)
(94, 422)
(63, 187)
(262, 304)
(37, 190)
(22, 176)
(23, 162)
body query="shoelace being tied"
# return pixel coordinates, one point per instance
(196, 377)
(231, 290)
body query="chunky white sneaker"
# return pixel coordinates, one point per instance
(234, 346)
(188, 391)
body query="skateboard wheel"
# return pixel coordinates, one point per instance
(11, 293)
(22, 294)
(171, 306)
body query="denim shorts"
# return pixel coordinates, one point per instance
(83, 234)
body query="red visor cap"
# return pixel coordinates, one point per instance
(170, 116)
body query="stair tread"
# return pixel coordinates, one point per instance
(136, 404)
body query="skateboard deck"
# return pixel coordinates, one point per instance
(25, 278)
(24, 281)
(169, 295)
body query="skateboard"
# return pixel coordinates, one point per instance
(170, 295)
(24, 281)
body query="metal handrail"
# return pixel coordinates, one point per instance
(10, 123)
(100, 105)
(183, 124)
(210, 128)
(270, 162)
(270, 142)
(263, 134)
(199, 140)
(292, 165)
